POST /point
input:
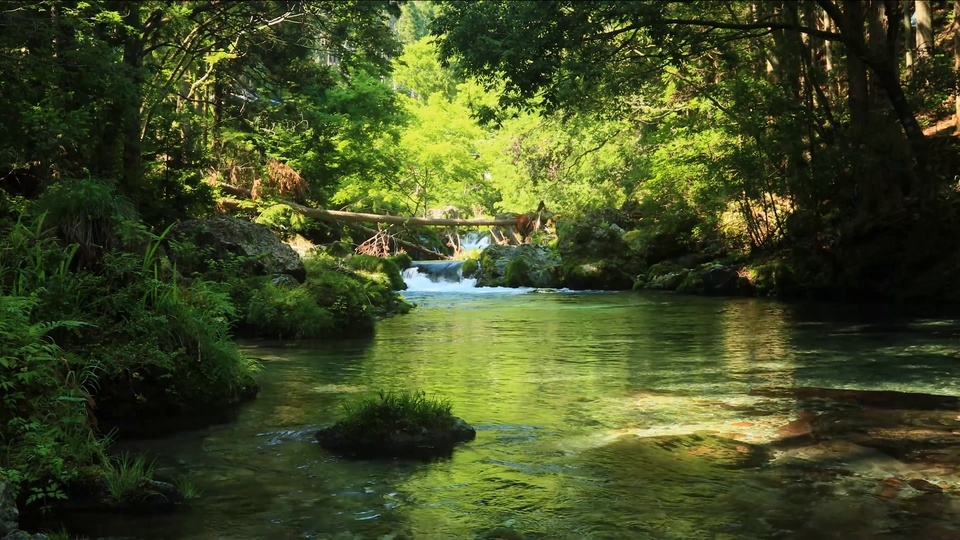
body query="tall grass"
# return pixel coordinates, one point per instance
(392, 411)
(126, 476)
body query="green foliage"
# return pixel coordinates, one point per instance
(390, 412)
(126, 476)
(402, 260)
(284, 312)
(187, 489)
(89, 213)
(470, 267)
(44, 430)
(284, 221)
(378, 265)
(516, 273)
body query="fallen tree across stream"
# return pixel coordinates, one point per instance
(355, 217)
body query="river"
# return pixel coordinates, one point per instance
(577, 399)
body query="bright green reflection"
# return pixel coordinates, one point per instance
(575, 398)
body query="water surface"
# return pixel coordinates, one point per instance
(572, 395)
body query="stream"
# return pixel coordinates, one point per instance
(598, 415)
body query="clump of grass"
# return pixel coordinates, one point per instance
(396, 411)
(188, 490)
(125, 477)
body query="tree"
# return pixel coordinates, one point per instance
(602, 56)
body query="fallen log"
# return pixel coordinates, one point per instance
(355, 217)
(336, 215)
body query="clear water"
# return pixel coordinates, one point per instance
(567, 392)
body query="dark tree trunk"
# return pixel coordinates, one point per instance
(132, 56)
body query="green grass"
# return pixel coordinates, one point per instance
(392, 411)
(126, 476)
(188, 490)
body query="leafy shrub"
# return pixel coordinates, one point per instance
(44, 426)
(287, 312)
(89, 213)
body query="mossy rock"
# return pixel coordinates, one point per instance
(669, 281)
(470, 268)
(402, 260)
(596, 275)
(536, 266)
(596, 253)
(378, 265)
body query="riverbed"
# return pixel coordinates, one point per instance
(598, 415)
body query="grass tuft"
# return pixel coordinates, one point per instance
(126, 476)
(188, 490)
(396, 411)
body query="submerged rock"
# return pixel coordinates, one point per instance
(411, 443)
(875, 434)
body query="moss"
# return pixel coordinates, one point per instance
(378, 265)
(402, 260)
(516, 273)
(470, 268)
(692, 283)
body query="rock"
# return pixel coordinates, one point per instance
(667, 282)
(912, 428)
(223, 238)
(425, 443)
(526, 265)
(715, 280)
(284, 280)
(9, 515)
(595, 254)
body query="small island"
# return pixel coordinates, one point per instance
(396, 425)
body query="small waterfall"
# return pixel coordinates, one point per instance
(474, 240)
(437, 276)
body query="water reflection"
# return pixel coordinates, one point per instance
(584, 404)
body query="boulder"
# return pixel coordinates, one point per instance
(413, 443)
(260, 252)
(526, 265)
(715, 280)
(595, 254)
(9, 516)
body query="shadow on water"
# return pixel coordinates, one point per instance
(597, 416)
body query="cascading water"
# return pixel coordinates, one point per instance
(447, 277)
(437, 276)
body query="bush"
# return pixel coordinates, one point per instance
(89, 213)
(279, 312)
(44, 426)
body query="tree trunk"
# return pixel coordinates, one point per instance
(924, 28)
(132, 56)
(956, 63)
(909, 43)
(354, 217)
